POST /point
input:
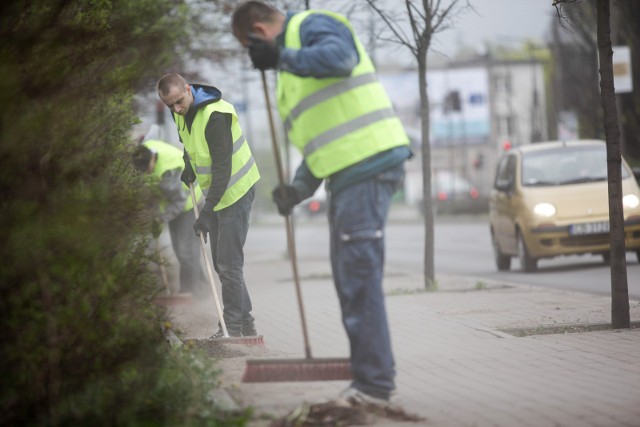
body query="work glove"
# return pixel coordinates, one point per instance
(285, 197)
(156, 228)
(263, 53)
(205, 221)
(188, 175)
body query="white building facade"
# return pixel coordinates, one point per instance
(477, 109)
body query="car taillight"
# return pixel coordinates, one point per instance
(474, 193)
(314, 206)
(442, 196)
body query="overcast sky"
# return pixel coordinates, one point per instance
(497, 21)
(510, 22)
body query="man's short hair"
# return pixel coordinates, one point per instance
(168, 81)
(248, 13)
(141, 158)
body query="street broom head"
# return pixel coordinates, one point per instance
(285, 370)
(248, 340)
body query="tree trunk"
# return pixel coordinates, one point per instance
(427, 208)
(619, 288)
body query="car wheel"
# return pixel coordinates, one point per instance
(638, 256)
(527, 263)
(503, 262)
(606, 257)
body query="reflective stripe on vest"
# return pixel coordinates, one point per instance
(346, 128)
(206, 170)
(244, 171)
(325, 94)
(237, 145)
(170, 158)
(336, 122)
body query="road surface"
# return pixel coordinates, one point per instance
(463, 248)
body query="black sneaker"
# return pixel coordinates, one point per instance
(220, 334)
(249, 330)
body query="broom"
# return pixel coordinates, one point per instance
(307, 369)
(251, 340)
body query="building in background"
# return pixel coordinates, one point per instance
(478, 108)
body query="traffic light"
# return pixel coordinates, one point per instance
(452, 101)
(455, 101)
(478, 162)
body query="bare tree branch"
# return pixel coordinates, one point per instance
(400, 36)
(425, 17)
(414, 27)
(416, 11)
(443, 17)
(562, 18)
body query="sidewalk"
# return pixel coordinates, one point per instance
(455, 365)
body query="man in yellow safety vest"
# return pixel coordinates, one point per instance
(162, 165)
(218, 155)
(340, 118)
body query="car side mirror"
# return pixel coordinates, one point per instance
(504, 185)
(636, 173)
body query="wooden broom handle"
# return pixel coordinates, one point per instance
(291, 244)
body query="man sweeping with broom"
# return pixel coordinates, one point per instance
(162, 165)
(219, 155)
(338, 115)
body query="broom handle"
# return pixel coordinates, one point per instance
(291, 243)
(209, 269)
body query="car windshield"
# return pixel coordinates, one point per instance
(565, 165)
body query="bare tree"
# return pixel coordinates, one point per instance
(425, 18)
(575, 53)
(625, 31)
(619, 289)
(576, 48)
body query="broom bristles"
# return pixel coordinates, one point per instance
(287, 370)
(250, 340)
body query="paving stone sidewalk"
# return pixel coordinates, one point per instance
(455, 365)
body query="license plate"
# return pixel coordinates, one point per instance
(601, 227)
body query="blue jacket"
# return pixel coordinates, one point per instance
(328, 50)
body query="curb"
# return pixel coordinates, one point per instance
(221, 396)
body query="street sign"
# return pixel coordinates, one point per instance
(622, 78)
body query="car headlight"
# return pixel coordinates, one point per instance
(544, 209)
(630, 201)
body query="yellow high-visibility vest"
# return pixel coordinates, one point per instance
(169, 158)
(244, 171)
(336, 122)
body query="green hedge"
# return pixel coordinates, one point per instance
(81, 342)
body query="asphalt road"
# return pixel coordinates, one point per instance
(462, 247)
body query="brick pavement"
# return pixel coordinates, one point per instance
(455, 367)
